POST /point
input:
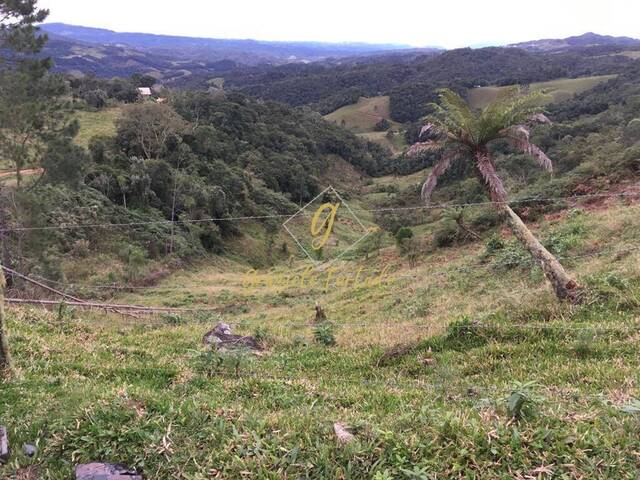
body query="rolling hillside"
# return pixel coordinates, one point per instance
(581, 41)
(246, 52)
(557, 90)
(363, 118)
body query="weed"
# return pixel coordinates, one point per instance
(523, 399)
(323, 333)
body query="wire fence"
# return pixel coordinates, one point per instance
(287, 215)
(76, 302)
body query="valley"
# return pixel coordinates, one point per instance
(241, 259)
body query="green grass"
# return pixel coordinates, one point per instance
(482, 328)
(101, 122)
(362, 116)
(557, 90)
(396, 144)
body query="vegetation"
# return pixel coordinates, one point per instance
(485, 348)
(436, 344)
(461, 135)
(555, 90)
(410, 80)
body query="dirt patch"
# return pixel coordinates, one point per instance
(24, 173)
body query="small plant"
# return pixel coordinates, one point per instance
(64, 311)
(323, 333)
(494, 244)
(262, 336)
(585, 344)
(173, 319)
(208, 363)
(214, 362)
(523, 398)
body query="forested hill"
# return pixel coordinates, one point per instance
(589, 39)
(199, 157)
(410, 80)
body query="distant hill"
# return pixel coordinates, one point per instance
(111, 60)
(247, 52)
(586, 40)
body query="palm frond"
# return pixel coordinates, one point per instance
(440, 167)
(452, 113)
(488, 171)
(519, 137)
(427, 128)
(420, 147)
(540, 118)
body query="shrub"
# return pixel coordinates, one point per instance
(323, 334)
(446, 234)
(382, 126)
(402, 236)
(632, 131)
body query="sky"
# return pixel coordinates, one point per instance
(419, 23)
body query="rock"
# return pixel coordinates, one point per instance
(343, 434)
(4, 445)
(105, 471)
(29, 450)
(221, 338)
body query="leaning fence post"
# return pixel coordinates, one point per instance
(6, 367)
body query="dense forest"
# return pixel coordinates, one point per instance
(410, 80)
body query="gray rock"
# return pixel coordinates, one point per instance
(221, 338)
(105, 471)
(4, 445)
(29, 450)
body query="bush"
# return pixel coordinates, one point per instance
(382, 126)
(446, 235)
(323, 334)
(632, 131)
(402, 236)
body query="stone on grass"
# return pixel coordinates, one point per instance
(4, 445)
(29, 450)
(343, 433)
(105, 471)
(222, 339)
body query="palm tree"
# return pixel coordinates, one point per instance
(458, 133)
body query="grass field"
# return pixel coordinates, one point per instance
(101, 122)
(396, 144)
(499, 381)
(362, 117)
(557, 90)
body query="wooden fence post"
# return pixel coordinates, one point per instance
(6, 367)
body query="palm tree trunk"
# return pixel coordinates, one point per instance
(565, 287)
(6, 366)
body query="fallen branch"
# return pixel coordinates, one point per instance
(111, 306)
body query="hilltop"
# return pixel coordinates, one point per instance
(589, 39)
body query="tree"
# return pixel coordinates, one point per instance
(459, 134)
(145, 128)
(17, 26)
(32, 105)
(33, 112)
(382, 126)
(65, 162)
(17, 37)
